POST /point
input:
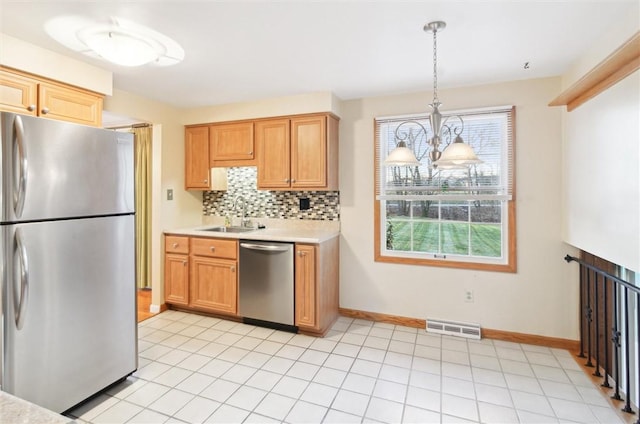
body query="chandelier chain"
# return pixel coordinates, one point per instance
(435, 68)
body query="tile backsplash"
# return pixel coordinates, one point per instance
(324, 205)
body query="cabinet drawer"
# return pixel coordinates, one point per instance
(217, 248)
(175, 244)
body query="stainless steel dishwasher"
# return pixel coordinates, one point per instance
(266, 291)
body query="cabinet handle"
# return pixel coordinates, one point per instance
(45, 110)
(205, 181)
(212, 248)
(174, 245)
(293, 181)
(287, 180)
(233, 269)
(184, 263)
(250, 153)
(31, 108)
(301, 253)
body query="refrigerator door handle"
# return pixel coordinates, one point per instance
(20, 177)
(23, 267)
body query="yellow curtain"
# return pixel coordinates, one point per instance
(142, 147)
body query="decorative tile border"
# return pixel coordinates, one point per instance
(325, 205)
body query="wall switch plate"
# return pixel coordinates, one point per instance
(305, 204)
(170, 194)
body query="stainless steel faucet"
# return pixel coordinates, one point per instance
(242, 202)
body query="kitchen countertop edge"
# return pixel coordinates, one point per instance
(19, 411)
(314, 236)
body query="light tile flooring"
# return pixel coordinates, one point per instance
(198, 369)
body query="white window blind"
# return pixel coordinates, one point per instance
(488, 131)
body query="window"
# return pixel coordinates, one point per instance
(442, 216)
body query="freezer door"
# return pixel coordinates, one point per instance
(70, 308)
(54, 169)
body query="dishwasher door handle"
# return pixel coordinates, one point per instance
(268, 247)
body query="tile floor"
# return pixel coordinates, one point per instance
(198, 369)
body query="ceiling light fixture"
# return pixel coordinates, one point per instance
(121, 47)
(457, 153)
(121, 41)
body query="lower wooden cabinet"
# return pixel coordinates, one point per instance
(214, 284)
(316, 286)
(176, 270)
(305, 285)
(176, 279)
(201, 274)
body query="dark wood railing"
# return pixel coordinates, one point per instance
(602, 325)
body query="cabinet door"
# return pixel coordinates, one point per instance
(196, 153)
(308, 152)
(214, 284)
(18, 94)
(176, 279)
(273, 146)
(231, 142)
(69, 104)
(305, 286)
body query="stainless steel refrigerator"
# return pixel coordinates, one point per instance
(68, 264)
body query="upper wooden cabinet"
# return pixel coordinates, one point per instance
(196, 154)
(298, 153)
(29, 95)
(232, 144)
(18, 94)
(273, 143)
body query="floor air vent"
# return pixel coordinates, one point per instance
(452, 328)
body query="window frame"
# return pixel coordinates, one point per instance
(410, 258)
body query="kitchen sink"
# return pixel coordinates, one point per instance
(229, 229)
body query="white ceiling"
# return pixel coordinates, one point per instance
(247, 50)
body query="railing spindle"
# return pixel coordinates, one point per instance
(605, 383)
(595, 295)
(616, 344)
(638, 353)
(589, 318)
(582, 285)
(627, 406)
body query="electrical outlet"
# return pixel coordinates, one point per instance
(305, 204)
(170, 194)
(468, 296)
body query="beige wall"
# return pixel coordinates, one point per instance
(279, 106)
(540, 298)
(601, 176)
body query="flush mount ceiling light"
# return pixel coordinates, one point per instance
(457, 153)
(120, 41)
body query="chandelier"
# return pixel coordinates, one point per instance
(457, 153)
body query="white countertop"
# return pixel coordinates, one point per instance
(276, 230)
(19, 411)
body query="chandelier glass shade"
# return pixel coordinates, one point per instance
(456, 154)
(402, 156)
